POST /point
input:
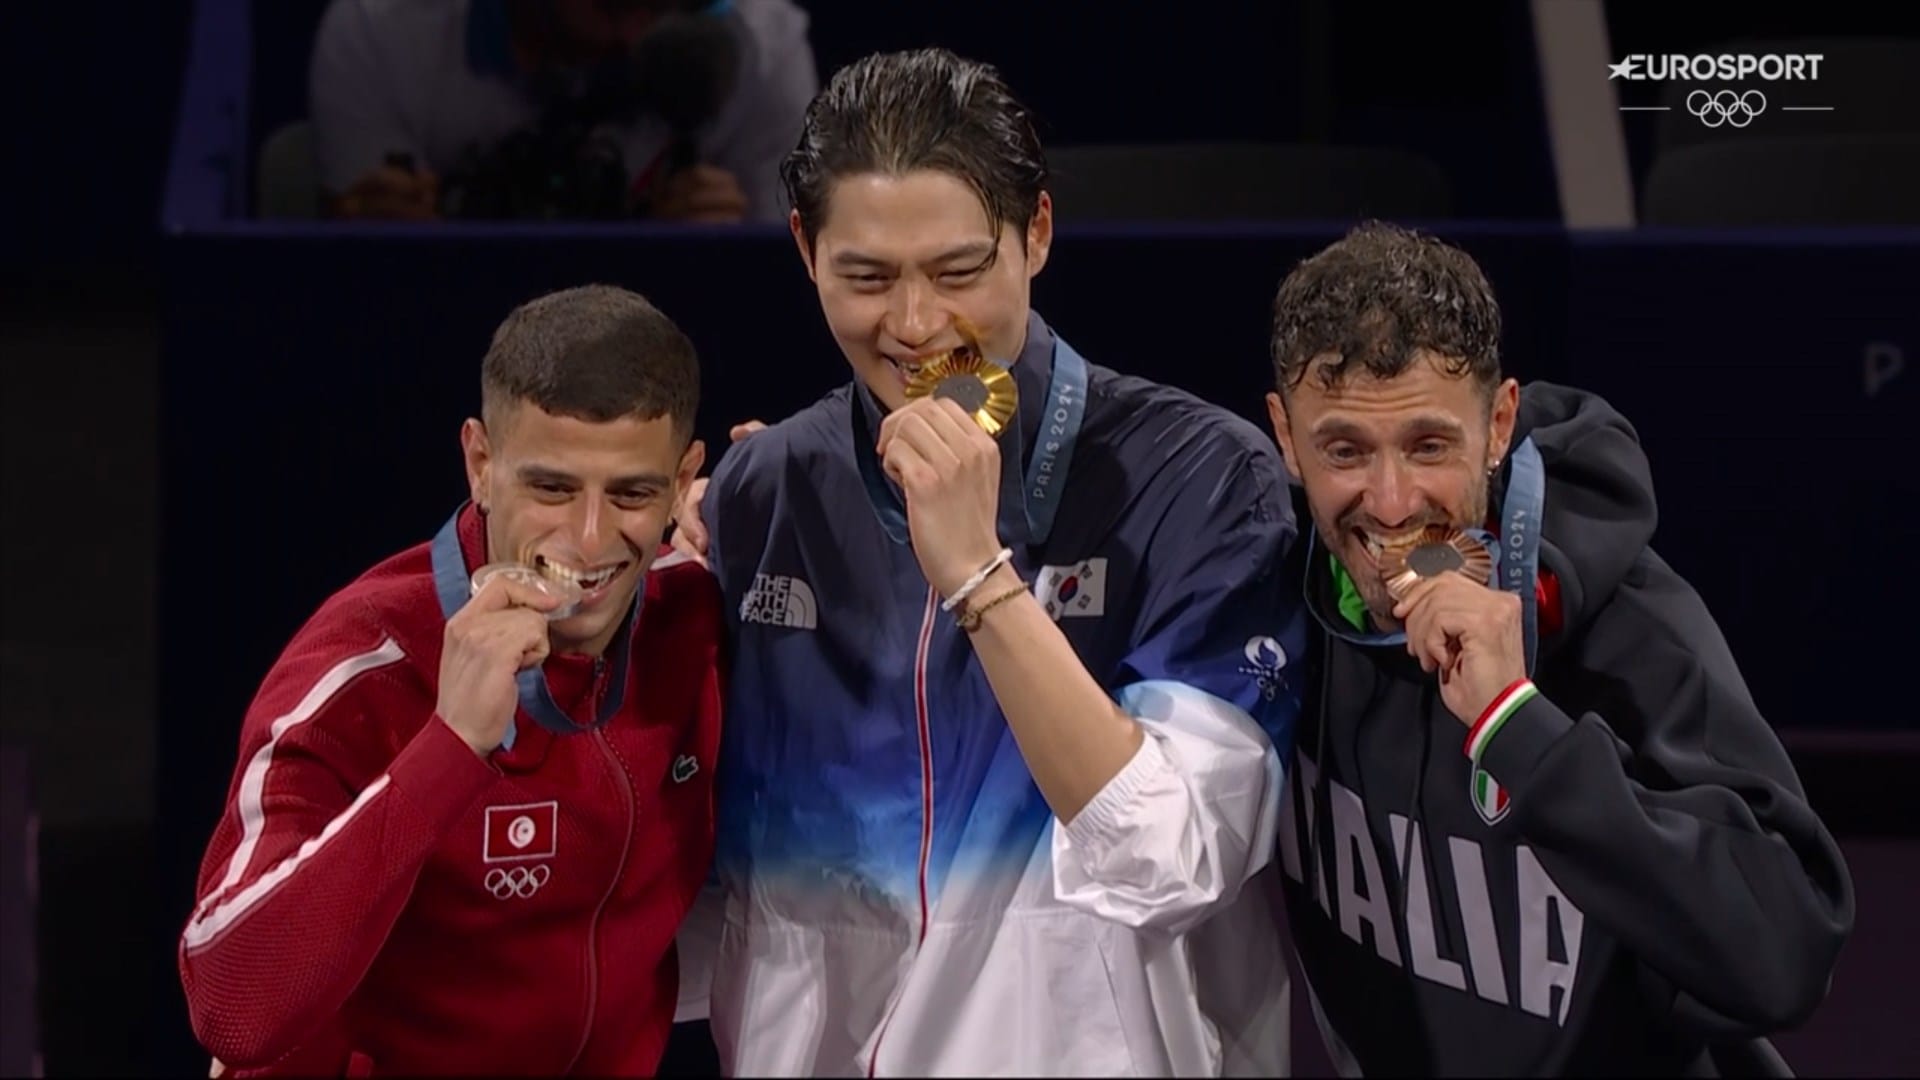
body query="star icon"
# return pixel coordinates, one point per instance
(1621, 70)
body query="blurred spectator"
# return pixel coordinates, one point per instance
(672, 109)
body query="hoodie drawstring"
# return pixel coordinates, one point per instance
(1413, 804)
(1316, 808)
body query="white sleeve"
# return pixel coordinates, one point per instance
(1190, 819)
(356, 121)
(697, 943)
(761, 123)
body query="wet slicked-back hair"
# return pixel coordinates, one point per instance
(596, 353)
(1374, 298)
(893, 113)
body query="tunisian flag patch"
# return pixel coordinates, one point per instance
(526, 831)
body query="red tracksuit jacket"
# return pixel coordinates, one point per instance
(377, 898)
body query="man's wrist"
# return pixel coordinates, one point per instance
(1504, 704)
(1002, 587)
(966, 582)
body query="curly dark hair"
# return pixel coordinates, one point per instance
(1376, 296)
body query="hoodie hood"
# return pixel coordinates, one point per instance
(1597, 515)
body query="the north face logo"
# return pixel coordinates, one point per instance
(778, 600)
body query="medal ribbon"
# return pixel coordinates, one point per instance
(1046, 474)
(454, 586)
(1517, 562)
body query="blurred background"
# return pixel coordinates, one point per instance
(253, 252)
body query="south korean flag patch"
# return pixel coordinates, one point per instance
(1079, 589)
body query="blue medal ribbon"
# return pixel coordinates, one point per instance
(1517, 561)
(454, 585)
(1046, 473)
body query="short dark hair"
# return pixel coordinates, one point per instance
(596, 353)
(1374, 298)
(896, 112)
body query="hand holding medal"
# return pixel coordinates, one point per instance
(940, 449)
(500, 632)
(1456, 624)
(539, 575)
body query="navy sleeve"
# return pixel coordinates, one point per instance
(1664, 805)
(734, 515)
(1218, 614)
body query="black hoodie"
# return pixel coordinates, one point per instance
(1651, 890)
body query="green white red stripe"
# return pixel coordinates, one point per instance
(1488, 796)
(1491, 721)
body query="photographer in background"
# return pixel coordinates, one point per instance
(668, 109)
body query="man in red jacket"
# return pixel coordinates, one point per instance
(464, 829)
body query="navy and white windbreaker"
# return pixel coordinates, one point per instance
(899, 899)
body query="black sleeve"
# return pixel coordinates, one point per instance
(1669, 812)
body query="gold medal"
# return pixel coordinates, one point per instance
(1435, 550)
(982, 388)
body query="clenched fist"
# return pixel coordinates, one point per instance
(949, 470)
(1469, 635)
(501, 632)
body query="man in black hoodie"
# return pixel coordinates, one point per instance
(1536, 825)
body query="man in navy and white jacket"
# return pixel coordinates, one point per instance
(999, 788)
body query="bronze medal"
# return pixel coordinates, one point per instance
(1435, 550)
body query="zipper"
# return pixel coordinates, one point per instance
(593, 926)
(926, 802)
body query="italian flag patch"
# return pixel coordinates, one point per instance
(1489, 798)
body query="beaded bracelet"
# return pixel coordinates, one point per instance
(970, 619)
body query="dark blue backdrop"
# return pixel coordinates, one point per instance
(314, 378)
(314, 381)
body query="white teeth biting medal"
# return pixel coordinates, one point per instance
(983, 389)
(542, 576)
(1434, 550)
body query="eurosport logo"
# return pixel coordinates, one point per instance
(1727, 67)
(1722, 107)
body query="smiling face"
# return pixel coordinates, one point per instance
(581, 500)
(1381, 458)
(898, 260)
(1392, 409)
